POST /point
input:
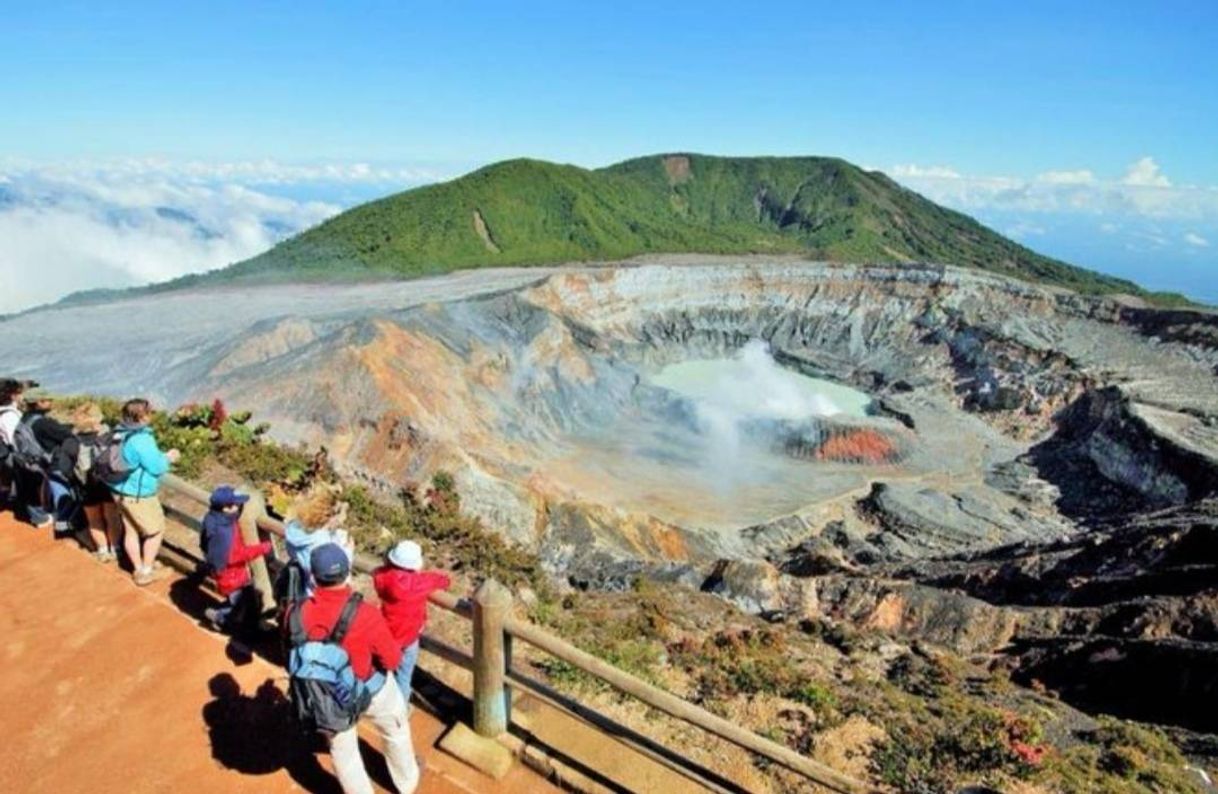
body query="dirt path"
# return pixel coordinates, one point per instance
(110, 688)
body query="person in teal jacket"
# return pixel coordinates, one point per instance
(136, 496)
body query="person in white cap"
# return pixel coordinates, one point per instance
(403, 587)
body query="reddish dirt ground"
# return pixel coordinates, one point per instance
(111, 688)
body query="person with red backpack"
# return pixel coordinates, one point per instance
(403, 587)
(228, 557)
(341, 654)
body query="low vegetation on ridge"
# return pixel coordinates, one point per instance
(209, 437)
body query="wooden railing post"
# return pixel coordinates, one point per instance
(492, 604)
(255, 508)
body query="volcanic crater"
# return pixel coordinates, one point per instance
(916, 448)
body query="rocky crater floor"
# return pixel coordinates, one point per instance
(1011, 471)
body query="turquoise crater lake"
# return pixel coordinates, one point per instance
(751, 384)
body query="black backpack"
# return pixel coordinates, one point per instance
(327, 696)
(289, 586)
(108, 465)
(28, 452)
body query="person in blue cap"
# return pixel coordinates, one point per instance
(228, 559)
(373, 655)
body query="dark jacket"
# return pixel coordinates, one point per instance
(227, 553)
(50, 435)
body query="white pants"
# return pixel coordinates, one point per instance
(388, 714)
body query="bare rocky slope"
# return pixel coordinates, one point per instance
(1043, 489)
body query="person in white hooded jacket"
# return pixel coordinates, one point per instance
(10, 417)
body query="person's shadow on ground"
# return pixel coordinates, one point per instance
(188, 595)
(258, 735)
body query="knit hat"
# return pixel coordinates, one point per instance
(406, 554)
(329, 564)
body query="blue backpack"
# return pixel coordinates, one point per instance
(326, 694)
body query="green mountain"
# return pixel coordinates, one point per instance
(526, 212)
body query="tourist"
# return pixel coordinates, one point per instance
(102, 523)
(228, 557)
(403, 587)
(51, 435)
(10, 417)
(136, 495)
(46, 501)
(373, 654)
(314, 520)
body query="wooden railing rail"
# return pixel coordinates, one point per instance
(490, 661)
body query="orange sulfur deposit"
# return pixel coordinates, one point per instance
(858, 446)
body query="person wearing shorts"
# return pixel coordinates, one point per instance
(139, 507)
(103, 526)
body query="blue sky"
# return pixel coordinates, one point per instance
(414, 92)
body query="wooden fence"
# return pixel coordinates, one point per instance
(494, 629)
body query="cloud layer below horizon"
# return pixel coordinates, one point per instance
(1142, 191)
(77, 226)
(1139, 224)
(124, 223)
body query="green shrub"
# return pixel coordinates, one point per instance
(814, 696)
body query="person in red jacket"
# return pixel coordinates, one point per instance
(228, 557)
(403, 588)
(373, 653)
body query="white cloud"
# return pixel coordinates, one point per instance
(918, 171)
(247, 172)
(1194, 239)
(1142, 191)
(1145, 173)
(1080, 177)
(69, 227)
